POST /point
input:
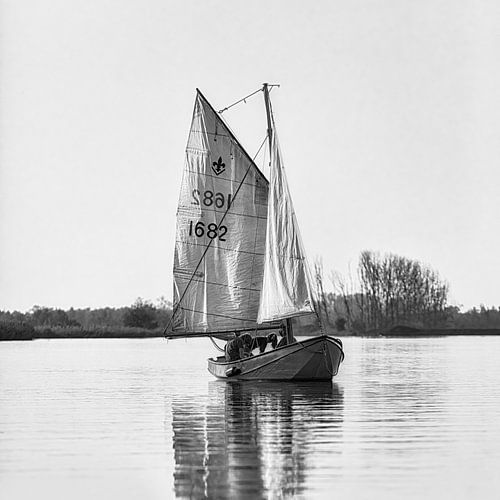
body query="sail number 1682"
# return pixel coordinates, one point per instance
(211, 230)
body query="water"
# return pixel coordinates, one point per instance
(129, 419)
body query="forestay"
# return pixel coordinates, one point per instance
(221, 231)
(286, 289)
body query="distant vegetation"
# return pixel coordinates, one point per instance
(391, 291)
(388, 293)
(142, 319)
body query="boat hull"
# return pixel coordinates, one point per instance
(317, 358)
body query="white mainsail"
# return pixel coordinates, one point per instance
(221, 230)
(286, 289)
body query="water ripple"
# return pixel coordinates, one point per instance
(405, 418)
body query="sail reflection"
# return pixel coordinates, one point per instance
(252, 439)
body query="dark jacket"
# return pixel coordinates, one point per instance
(233, 349)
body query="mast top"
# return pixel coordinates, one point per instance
(265, 88)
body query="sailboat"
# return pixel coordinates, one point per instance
(239, 264)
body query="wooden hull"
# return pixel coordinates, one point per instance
(317, 358)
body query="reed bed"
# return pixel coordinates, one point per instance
(24, 331)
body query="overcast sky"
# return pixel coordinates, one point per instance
(388, 115)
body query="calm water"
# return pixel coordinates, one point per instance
(130, 419)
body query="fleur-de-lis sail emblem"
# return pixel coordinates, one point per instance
(218, 166)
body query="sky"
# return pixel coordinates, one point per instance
(388, 114)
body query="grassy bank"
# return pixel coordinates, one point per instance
(16, 331)
(432, 332)
(23, 331)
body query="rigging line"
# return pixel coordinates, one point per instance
(244, 99)
(215, 344)
(211, 241)
(241, 100)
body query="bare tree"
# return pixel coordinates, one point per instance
(321, 297)
(399, 289)
(391, 290)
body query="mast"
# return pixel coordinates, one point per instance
(287, 323)
(268, 114)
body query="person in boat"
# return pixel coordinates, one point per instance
(284, 341)
(261, 342)
(238, 348)
(272, 339)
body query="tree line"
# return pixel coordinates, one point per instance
(141, 314)
(390, 290)
(387, 291)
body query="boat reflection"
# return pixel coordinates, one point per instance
(251, 440)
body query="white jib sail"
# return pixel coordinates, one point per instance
(286, 289)
(221, 230)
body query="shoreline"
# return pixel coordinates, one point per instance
(138, 333)
(28, 332)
